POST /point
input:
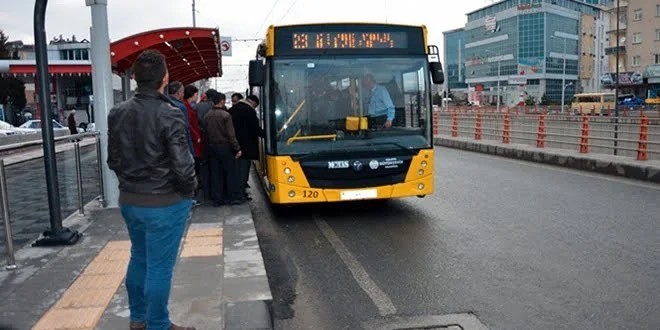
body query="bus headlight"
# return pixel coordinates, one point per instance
(420, 186)
(291, 179)
(420, 172)
(424, 163)
(287, 170)
(292, 194)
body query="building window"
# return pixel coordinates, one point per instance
(657, 34)
(637, 38)
(636, 60)
(657, 10)
(656, 59)
(638, 15)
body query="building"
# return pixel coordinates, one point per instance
(70, 71)
(535, 49)
(454, 60)
(638, 39)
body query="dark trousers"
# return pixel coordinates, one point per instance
(244, 172)
(204, 174)
(222, 167)
(376, 122)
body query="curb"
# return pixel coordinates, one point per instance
(604, 164)
(246, 289)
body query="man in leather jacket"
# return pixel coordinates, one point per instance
(148, 150)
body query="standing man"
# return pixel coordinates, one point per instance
(71, 122)
(223, 149)
(176, 92)
(235, 98)
(148, 150)
(248, 132)
(381, 107)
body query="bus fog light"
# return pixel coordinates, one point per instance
(291, 179)
(292, 194)
(287, 170)
(424, 163)
(420, 186)
(420, 172)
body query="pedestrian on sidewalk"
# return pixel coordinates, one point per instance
(71, 123)
(148, 150)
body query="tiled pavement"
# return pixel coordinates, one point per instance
(28, 200)
(219, 279)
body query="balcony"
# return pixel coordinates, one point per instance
(612, 50)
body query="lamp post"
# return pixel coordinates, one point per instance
(563, 73)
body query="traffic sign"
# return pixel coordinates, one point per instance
(225, 46)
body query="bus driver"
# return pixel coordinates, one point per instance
(381, 107)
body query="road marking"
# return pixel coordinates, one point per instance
(565, 170)
(380, 299)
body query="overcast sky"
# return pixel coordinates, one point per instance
(242, 19)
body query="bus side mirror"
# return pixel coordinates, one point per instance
(437, 74)
(257, 73)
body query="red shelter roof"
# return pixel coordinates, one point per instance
(191, 53)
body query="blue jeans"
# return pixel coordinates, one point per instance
(155, 234)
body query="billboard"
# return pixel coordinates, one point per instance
(530, 65)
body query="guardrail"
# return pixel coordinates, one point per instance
(4, 195)
(637, 137)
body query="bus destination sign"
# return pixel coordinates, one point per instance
(349, 40)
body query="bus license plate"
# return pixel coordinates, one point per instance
(359, 194)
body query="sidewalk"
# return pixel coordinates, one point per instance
(648, 170)
(219, 280)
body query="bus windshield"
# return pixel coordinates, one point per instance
(313, 97)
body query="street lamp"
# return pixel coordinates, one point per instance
(563, 89)
(563, 74)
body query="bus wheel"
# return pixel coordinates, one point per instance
(421, 196)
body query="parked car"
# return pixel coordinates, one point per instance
(35, 124)
(9, 129)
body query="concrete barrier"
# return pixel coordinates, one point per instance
(11, 139)
(606, 164)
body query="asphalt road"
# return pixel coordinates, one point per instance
(28, 197)
(517, 245)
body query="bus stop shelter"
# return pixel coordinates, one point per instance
(192, 54)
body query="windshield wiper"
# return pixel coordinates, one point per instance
(396, 144)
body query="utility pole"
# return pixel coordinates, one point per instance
(616, 81)
(193, 12)
(563, 79)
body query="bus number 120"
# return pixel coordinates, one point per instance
(310, 194)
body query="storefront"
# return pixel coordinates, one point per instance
(652, 76)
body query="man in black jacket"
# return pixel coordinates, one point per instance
(248, 131)
(148, 150)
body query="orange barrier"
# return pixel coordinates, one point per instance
(477, 127)
(584, 137)
(454, 124)
(643, 139)
(506, 133)
(540, 135)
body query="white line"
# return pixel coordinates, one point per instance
(557, 168)
(380, 299)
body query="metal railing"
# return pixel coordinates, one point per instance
(4, 195)
(637, 137)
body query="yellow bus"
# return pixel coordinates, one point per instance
(597, 103)
(327, 138)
